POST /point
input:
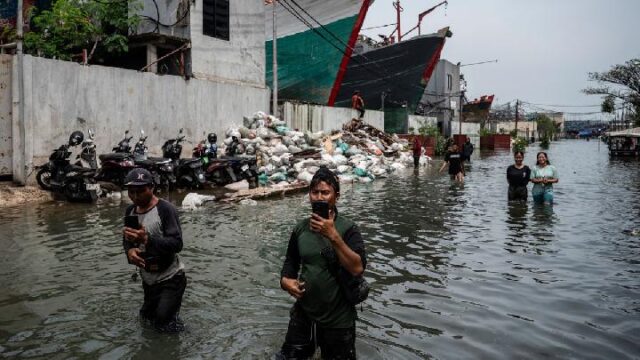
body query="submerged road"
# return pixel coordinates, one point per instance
(457, 272)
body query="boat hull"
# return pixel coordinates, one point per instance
(310, 60)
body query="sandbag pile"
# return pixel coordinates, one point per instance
(285, 156)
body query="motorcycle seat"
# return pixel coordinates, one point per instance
(159, 160)
(190, 161)
(147, 162)
(114, 156)
(81, 169)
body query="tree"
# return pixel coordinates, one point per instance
(73, 25)
(546, 129)
(621, 82)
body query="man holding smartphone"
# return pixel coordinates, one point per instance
(152, 244)
(322, 316)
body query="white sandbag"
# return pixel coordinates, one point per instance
(343, 169)
(236, 186)
(227, 141)
(259, 115)
(194, 200)
(294, 149)
(250, 150)
(378, 171)
(398, 166)
(312, 169)
(364, 165)
(275, 160)
(305, 176)
(287, 141)
(364, 179)
(353, 150)
(244, 132)
(346, 178)
(396, 147)
(340, 159)
(280, 149)
(248, 202)
(286, 159)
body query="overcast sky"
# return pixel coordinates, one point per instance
(545, 48)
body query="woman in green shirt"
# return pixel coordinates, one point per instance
(543, 176)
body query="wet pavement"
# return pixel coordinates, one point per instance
(457, 272)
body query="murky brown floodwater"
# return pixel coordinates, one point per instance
(457, 272)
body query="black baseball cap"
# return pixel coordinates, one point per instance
(138, 177)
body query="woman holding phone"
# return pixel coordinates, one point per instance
(322, 314)
(543, 176)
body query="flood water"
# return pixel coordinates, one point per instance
(456, 271)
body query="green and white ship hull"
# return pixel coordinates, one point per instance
(312, 61)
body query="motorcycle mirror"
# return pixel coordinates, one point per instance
(90, 134)
(126, 132)
(180, 132)
(141, 133)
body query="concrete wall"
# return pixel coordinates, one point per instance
(442, 94)
(416, 121)
(6, 141)
(242, 58)
(63, 96)
(468, 128)
(168, 12)
(525, 128)
(316, 117)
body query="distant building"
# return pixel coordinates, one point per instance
(441, 97)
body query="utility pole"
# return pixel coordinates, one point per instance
(275, 61)
(20, 169)
(460, 113)
(517, 103)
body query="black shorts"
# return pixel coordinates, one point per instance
(304, 336)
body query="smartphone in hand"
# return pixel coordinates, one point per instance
(321, 208)
(131, 221)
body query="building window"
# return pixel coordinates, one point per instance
(449, 82)
(216, 18)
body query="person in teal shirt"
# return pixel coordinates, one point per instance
(543, 176)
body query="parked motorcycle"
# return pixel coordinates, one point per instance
(162, 169)
(188, 172)
(116, 165)
(75, 182)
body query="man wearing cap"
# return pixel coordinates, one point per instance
(322, 315)
(153, 248)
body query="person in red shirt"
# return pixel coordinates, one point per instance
(357, 103)
(417, 151)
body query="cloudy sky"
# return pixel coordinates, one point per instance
(544, 48)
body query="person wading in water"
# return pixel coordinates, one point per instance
(518, 176)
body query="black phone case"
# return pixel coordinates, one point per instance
(131, 221)
(321, 208)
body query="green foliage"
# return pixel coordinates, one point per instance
(608, 104)
(432, 131)
(514, 133)
(73, 25)
(485, 132)
(411, 129)
(520, 144)
(546, 128)
(7, 33)
(621, 82)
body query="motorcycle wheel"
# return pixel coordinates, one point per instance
(43, 177)
(75, 192)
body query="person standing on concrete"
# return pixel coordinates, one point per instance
(321, 251)
(152, 240)
(467, 150)
(417, 151)
(358, 103)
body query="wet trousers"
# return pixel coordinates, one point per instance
(304, 336)
(517, 193)
(544, 197)
(162, 303)
(416, 161)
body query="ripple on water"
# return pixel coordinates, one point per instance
(456, 271)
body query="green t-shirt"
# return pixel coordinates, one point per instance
(548, 172)
(323, 300)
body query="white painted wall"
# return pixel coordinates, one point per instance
(61, 97)
(416, 121)
(307, 117)
(239, 60)
(468, 128)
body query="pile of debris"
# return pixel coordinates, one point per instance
(287, 157)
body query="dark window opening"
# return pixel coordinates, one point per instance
(216, 18)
